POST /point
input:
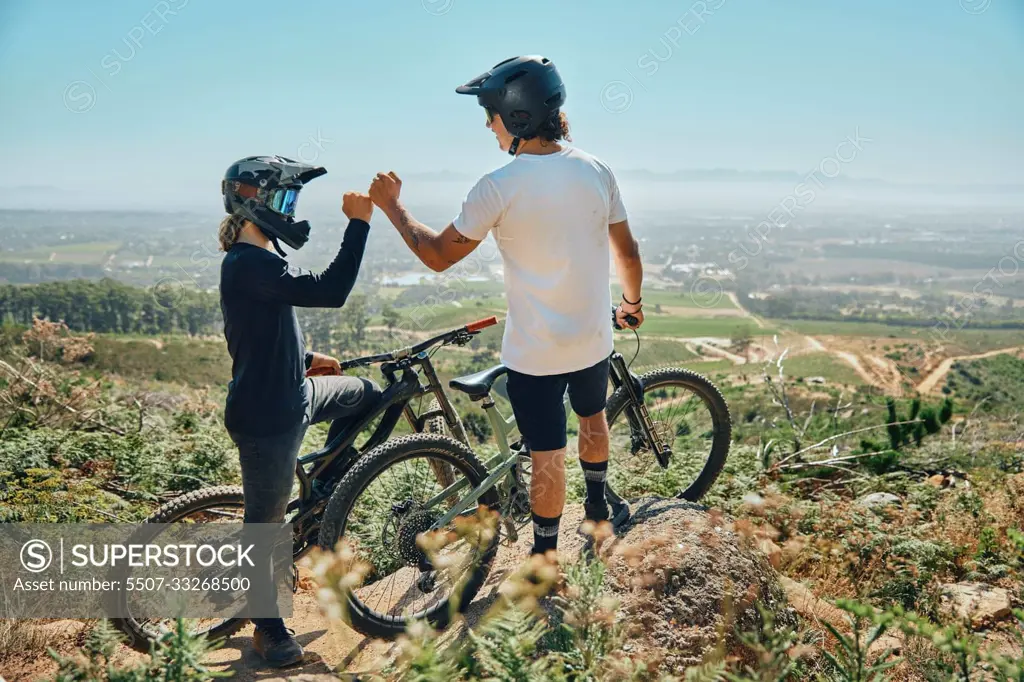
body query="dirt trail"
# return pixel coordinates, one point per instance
(736, 302)
(815, 344)
(932, 380)
(329, 646)
(880, 372)
(854, 362)
(712, 349)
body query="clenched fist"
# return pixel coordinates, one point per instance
(357, 206)
(385, 189)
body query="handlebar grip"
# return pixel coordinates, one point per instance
(481, 324)
(631, 319)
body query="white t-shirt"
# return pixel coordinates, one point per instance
(550, 216)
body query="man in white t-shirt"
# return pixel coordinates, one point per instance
(557, 217)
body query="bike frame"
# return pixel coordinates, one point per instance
(403, 386)
(403, 377)
(502, 464)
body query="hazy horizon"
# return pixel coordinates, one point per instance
(144, 103)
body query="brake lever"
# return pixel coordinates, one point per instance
(632, 320)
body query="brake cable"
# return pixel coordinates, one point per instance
(630, 363)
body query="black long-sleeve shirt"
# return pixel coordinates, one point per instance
(258, 288)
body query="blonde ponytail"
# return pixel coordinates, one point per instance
(230, 228)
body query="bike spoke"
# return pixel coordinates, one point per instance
(684, 424)
(384, 524)
(157, 627)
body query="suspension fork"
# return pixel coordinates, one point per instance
(637, 414)
(450, 416)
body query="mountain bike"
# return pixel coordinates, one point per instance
(383, 495)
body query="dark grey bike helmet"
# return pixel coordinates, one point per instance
(264, 190)
(525, 91)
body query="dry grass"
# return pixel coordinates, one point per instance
(24, 638)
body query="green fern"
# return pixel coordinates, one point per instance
(92, 663)
(177, 657)
(431, 665)
(590, 633)
(422, 660)
(506, 649)
(851, 660)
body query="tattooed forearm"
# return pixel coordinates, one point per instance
(417, 236)
(437, 250)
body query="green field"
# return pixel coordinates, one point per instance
(826, 365)
(965, 340)
(653, 352)
(995, 382)
(446, 315)
(798, 367)
(684, 299)
(674, 325)
(88, 254)
(834, 328)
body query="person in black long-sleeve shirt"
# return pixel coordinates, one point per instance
(278, 388)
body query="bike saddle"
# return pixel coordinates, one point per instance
(477, 385)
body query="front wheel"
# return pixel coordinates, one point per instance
(222, 504)
(384, 506)
(692, 419)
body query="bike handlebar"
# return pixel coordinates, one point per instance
(472, 329)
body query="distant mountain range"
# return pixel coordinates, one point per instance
(748, 176)
(447, 188)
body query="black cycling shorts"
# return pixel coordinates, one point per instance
(537, 402)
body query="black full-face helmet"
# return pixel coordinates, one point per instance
(265, 190)
(525, 91)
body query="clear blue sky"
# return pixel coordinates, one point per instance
(756, 86)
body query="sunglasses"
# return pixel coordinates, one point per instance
(491, 115)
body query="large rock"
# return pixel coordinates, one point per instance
(682, 576)
(977, 603)
(680, 573)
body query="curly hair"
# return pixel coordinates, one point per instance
(230, 228)
(555, 128)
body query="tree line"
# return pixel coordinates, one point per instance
(112, 307)
(109, 306)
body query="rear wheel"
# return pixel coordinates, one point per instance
(222, 504)
(692, 418)
(382, 507)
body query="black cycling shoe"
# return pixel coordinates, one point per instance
(617, 512)
(277, 646)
